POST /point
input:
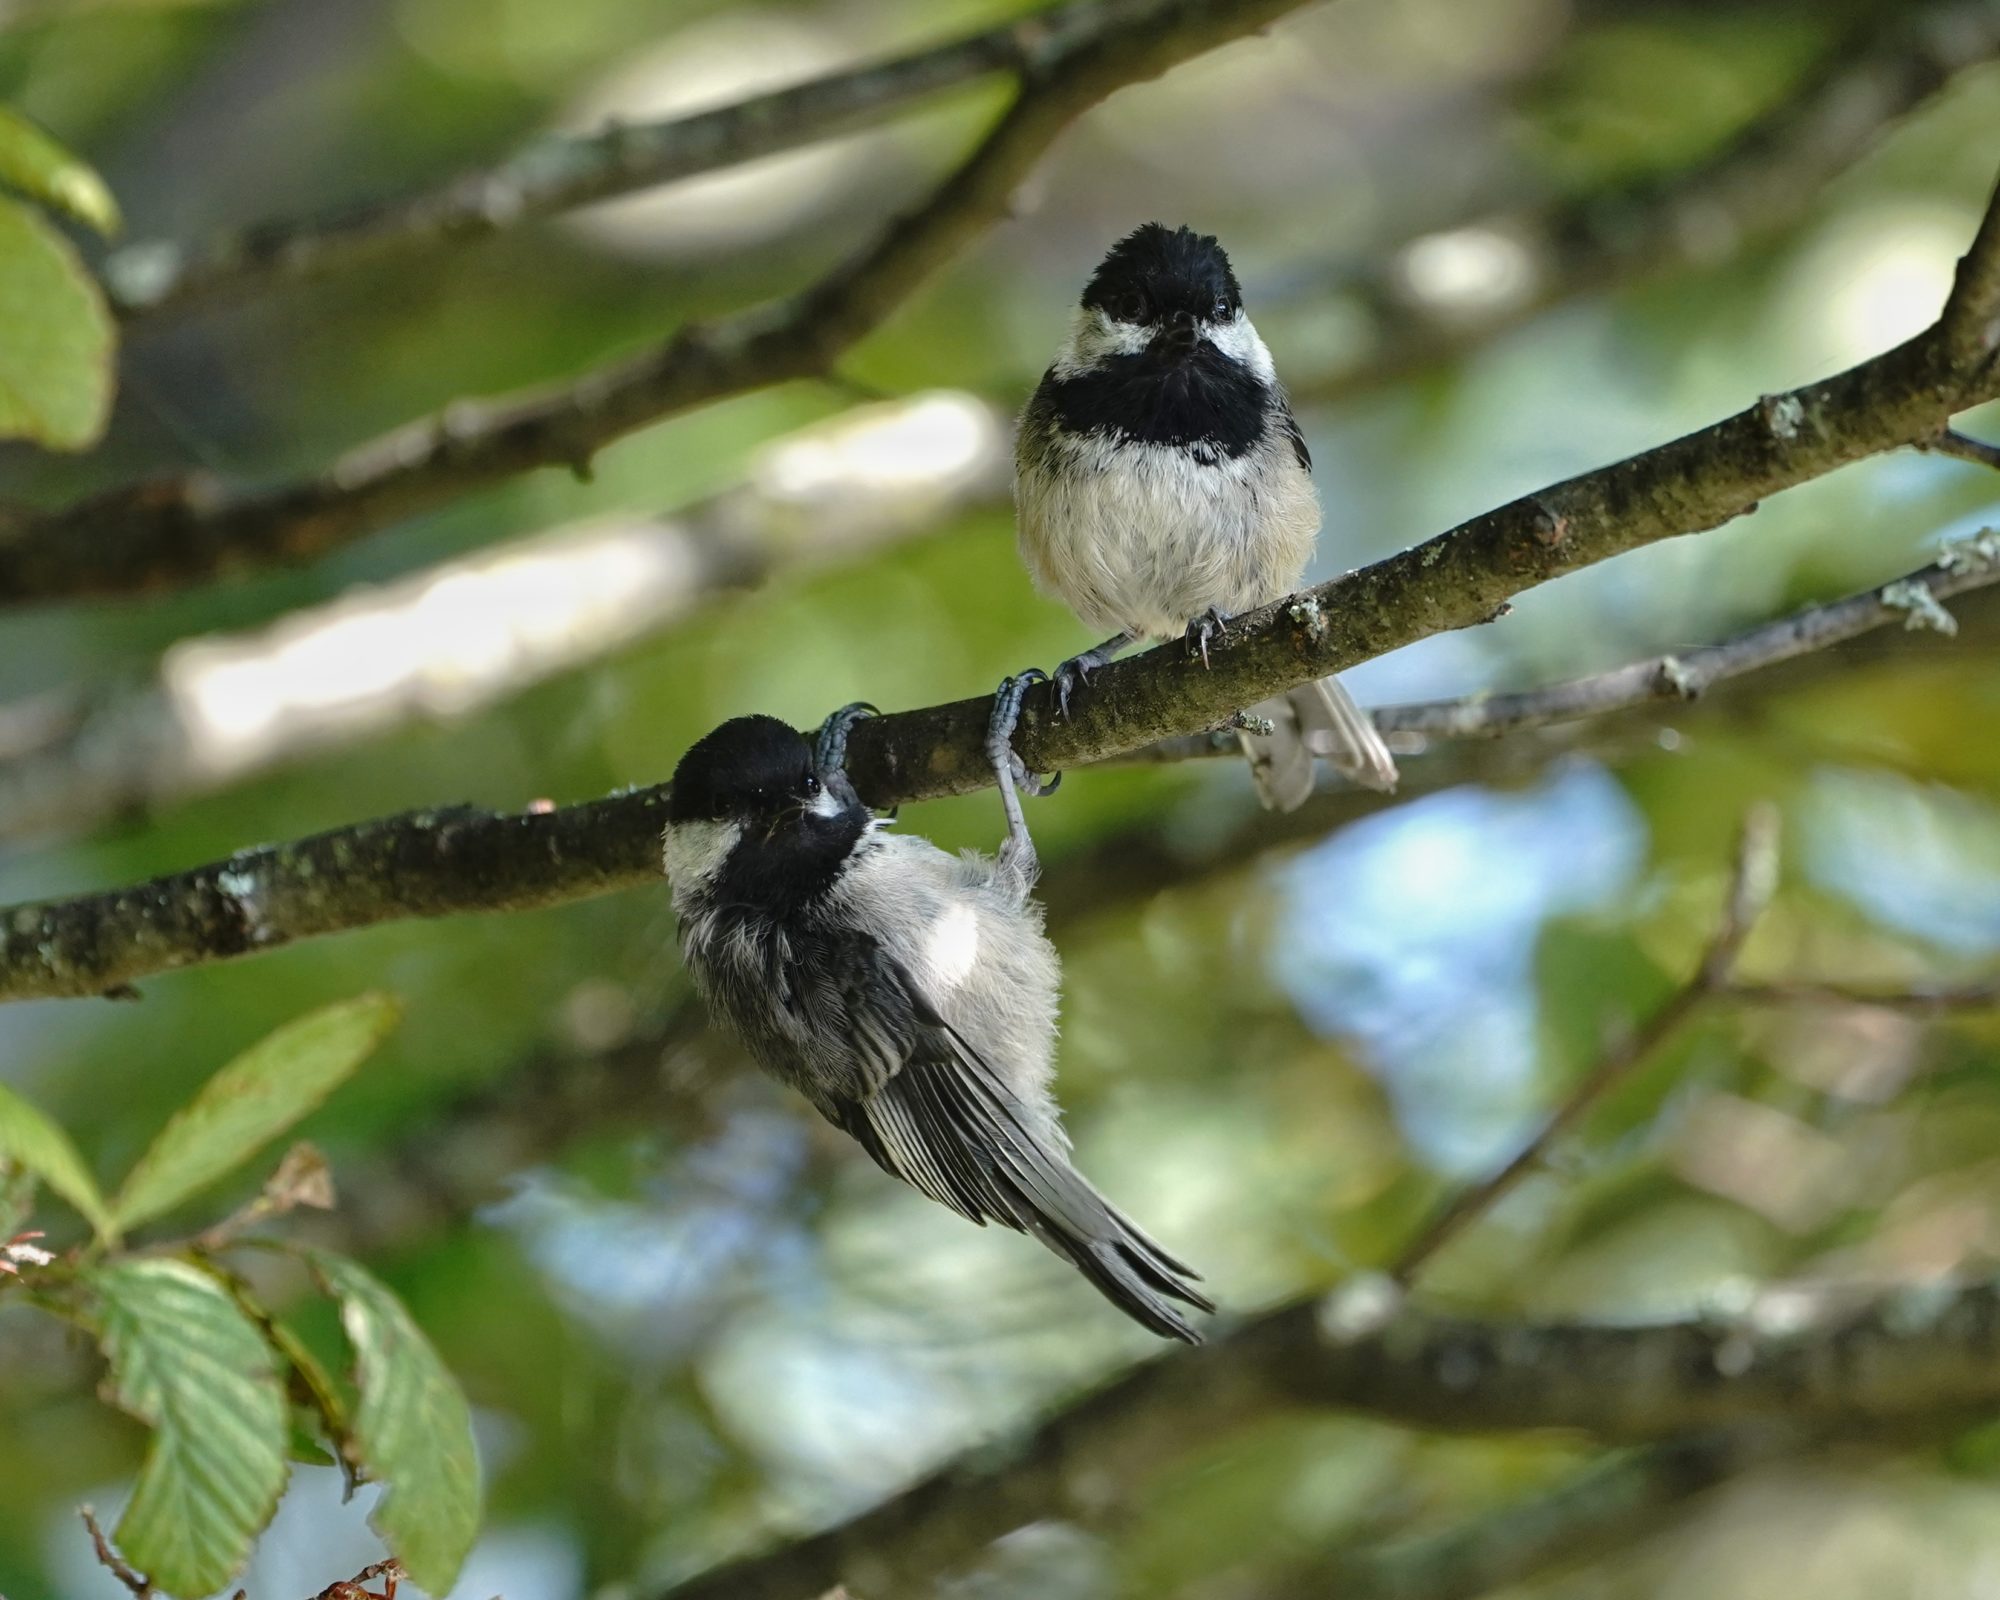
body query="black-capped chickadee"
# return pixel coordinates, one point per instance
(1162, 486)
(909, 994)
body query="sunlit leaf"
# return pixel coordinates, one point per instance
(252, 1100)
(412, 1429)
(29, 1140)
(41, 169)
(187, 1362)
(56, 336)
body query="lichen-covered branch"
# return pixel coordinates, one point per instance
(559, 171)
(1761, 182)
(417, 864)
(1914, 600)
(163, 532)
(432, 864)
(1906, 1356)
(461, 859)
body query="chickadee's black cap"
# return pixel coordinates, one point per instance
(1155, 271)
(745, 763)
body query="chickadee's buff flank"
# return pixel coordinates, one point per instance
(909, 994)
(1162, 486)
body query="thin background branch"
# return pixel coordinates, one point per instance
(1681, 675)
(558, 172)
(1913, 1356)
(1762, 181)
(1605, 1506)
(1751, 884)
(180, 530)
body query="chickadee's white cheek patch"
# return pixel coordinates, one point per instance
(693, 852)
(1238, 340)
(824, 804)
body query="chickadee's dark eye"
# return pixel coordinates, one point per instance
(1221, 312)
(810, 786)
(1131, 306)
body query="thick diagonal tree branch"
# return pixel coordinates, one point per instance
(460, 858)
(1907, 1356)
(433, 864)
(463, 859)
(186, 529)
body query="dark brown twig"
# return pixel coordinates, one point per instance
(1950, 442)
(1750, 886)
(111, 1561)
(356, 1588)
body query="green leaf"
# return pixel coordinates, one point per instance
(30, 1140)
(43, 170)
(56, 337)
(188, 1363)
(412, 1429)
(251, 1101)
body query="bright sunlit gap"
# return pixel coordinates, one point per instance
(467, 632)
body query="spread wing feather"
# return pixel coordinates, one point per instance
(937, 1115)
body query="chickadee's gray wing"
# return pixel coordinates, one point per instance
(945, 1122)
(1289, 425)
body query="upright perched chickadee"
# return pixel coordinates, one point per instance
(1162, 486)
(910, 995)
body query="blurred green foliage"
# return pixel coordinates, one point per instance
(686, 1314)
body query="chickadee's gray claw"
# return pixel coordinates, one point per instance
(1011, 774)
(1072, 672)
(1079, 668)
(1000, 733)
(830, 748)
(1208, 628)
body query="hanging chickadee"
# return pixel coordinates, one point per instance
(909, 994)
(1162, 486)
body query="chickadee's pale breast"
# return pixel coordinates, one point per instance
(1145, 496)
(1143, 538)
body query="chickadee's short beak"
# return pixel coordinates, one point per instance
(1180, 333)
(790, 817)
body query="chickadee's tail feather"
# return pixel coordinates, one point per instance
(1319, 719)
(948, 1126)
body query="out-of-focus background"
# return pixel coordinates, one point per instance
(689, 1316)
